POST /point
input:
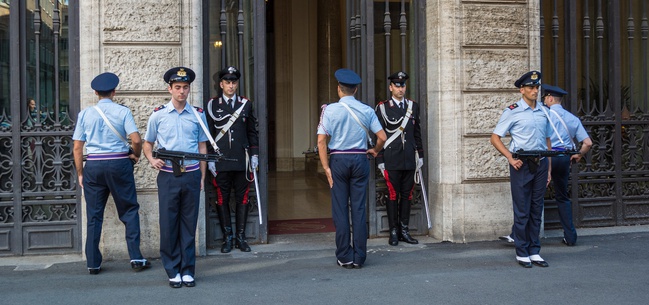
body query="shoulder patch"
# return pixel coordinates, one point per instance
(159, 108)
(512, 106)
(199, 109)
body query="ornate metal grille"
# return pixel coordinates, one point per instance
(603, 59)
(38, 193)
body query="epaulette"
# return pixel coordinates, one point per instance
(513, 106)
(199, 109)
(159, 108)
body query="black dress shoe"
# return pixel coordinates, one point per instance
(188, 280)
(541, 263)
(349, 265)
(173, 284)
(567, 243)
(525, 264)
(94, 271)
(140, 265)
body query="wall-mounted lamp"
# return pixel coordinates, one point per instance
(218, 44)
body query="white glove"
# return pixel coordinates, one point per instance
(254, 161)
(420, 163)
(212, 167)
(381, 167)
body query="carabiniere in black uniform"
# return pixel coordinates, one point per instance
(399, 159)
(241, 142)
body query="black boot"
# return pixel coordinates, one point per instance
(405, 235)
(228, 235)
(242, 217)
(223, 212)
(394, 237)
(391, 208)
(404, 219)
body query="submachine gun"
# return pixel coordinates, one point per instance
(178, 158)
(533, 156)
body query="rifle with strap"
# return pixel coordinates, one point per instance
(533, 156)
(177, 158)
(542, 153)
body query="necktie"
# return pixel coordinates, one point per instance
(231, 103)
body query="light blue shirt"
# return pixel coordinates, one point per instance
(528, 127)
(176, 131)
(575, 128)
(343, 129)
(99, 138)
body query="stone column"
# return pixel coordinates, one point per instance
(476, 50)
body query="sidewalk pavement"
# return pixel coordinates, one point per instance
(608, 266)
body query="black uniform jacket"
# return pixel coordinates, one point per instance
(400, 154)
(240, 136)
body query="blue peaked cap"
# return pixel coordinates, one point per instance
(105, 82)
(552, 90)
(532, 78)
(347, 77)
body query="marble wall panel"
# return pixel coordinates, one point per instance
(482, 160)
(482, 110)
(142, 21)
(141, 69)
(494, 69)
(493, 25)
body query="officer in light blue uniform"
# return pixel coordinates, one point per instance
(349, 168)
(177, 126)
(567, 128)
(527, 123)
(109, 169)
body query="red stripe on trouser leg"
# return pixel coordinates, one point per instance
(392, 194)
(219, 195)
(411, 191)
(245, 195)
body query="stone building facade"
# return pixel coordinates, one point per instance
(474, 52)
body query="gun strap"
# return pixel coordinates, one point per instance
(205, 130)
(103, 116)
(564, 126)
(550, 121)
(369, 138)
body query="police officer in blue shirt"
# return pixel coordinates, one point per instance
(348, 124)
(568, 127)
(529, 128)
(177, 126)
(108, 169)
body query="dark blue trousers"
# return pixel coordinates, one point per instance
(114, 177)
(528, 189)
(560, 177)
(350, 174)
(179, 201)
